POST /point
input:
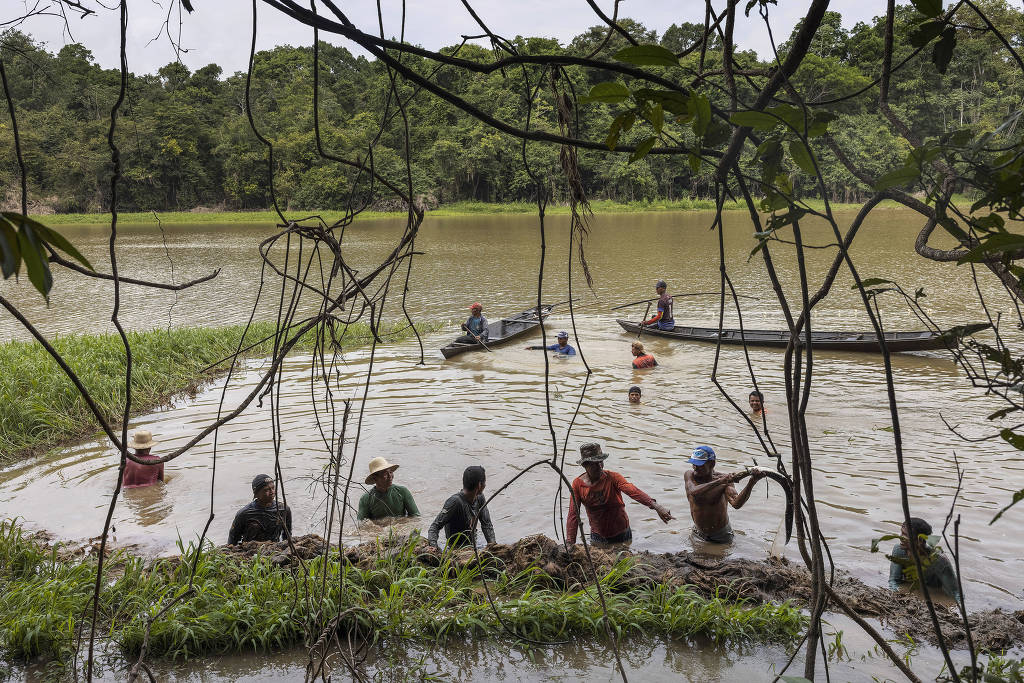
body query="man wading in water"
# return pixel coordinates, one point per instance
(264, 519)
(457, 514)
(709, 493)
(136, 475)
(385, 499)
(600, 491)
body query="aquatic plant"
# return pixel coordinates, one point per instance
(40, 408)
(249, 604)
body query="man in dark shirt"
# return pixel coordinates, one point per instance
(663, 319)
(458, 512)
(264, 519)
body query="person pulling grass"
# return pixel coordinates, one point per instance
(600, 492)
(561, 346)
(938, 571)
(385, 499)
(710, 493)
(264, 519)
(456, 517)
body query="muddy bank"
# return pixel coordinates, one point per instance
(756, 582)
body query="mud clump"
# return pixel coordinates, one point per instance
(755, 582)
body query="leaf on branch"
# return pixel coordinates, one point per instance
(657, 118)
(611, 92)
(873, 282)
(35, 260)
(694, 159)
(819, 123)
(802, 157)
(700, 106)
(758, 120)
(901, 176)
(1012, 438)
(49, 236)
(929, 8)
(999, 414)
(642, 149)
(647, 55)
(881, 539)
(10, 252)
(943, 50)
(1017, 497)
(925, 33)
(992, 244)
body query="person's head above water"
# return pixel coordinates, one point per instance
(263, 489)
(563, 338)
(142, 442)
(756, 400)
(703, 460)
(634, 394)
(637, 348)
(381, 474)
(918, 528)
(474, 479)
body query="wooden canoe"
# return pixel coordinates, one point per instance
(502, 331)
(832, 341)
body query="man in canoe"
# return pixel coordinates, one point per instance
(634, 394)
(561, 346)
(600, 492)
(456, 517)
(641, 359)
(709, 493)
(475, 326)
(136, 475)
(385, 499)
(663, 319)
(264, 519)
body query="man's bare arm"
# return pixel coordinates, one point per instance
(738, 499)
(708, 490)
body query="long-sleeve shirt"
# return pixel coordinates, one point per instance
(256, 523)
(136, 475)
(603, 501)
(395, 502)
(938, 573)
(664, 314)
(477, 325)
(456, 517)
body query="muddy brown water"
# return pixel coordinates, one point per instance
(488, 408)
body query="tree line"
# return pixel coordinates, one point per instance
(187, 141)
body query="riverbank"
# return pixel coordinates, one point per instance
(41, 409)
(254, 598)
(599, 206)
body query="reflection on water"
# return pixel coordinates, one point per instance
(488, 408)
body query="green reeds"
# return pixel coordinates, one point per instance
(40, 407)
(239, 605)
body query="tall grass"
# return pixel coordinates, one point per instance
(241, 605)
(40, 407)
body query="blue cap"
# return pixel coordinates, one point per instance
(702, 455)
(563, 335)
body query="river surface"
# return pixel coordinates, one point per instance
(435, 418)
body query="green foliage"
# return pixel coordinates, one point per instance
(23, 239)
(40, 407)
(249, 605)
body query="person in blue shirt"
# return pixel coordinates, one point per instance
(475, 326)
(561, 347)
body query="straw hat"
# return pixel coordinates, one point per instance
(142, 439)
(379, 465)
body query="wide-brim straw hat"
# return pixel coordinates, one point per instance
(591, 452)
(379, 465)
(142, 439)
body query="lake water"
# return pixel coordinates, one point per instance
(436, 418)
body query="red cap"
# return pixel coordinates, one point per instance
(476, 305)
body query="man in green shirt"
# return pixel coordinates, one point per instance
(385, 499)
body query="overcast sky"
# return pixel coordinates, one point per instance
(219, 30)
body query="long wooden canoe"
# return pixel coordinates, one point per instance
(836, 341)
(502, 331)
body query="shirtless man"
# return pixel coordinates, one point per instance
(709, 493)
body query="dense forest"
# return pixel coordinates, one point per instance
(187, 141)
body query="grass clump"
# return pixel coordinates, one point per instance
(248, 604)
(40, 408)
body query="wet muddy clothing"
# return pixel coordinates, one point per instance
(256, 523)
(136, 475)
(723, 535)
(476, 325)
(567, 349)
(395, 502)
(937, 574)
(625, 537)
(644, 361)
(605, 509)
(456, 517)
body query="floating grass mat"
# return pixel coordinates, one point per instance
(257, 603)
(40, 407)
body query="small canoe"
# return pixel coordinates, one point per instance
(502, 331)
(832, 341)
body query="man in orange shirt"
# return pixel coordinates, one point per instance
(642, 358)
(600, 492)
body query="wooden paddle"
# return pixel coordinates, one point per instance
(646, 311)
(479, 340)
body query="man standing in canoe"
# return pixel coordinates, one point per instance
(562, 346)
(663, 319)
(600, 492)
(475, 326)
(709, 493)
(385, 499)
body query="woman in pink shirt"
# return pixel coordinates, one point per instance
(136, 475)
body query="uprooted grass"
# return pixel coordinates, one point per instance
(250, 604)
(40, 407)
